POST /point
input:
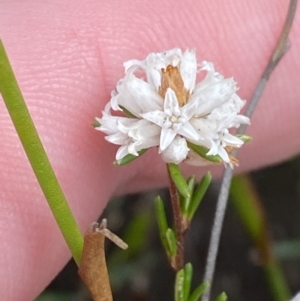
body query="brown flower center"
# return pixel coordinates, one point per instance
(233, 160)
(171, 78)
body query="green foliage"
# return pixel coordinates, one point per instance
(179, 180)
(244, 138)
(250, 210)
(96, 124)
(202, 152)
(162, 223)
(179, 286)
(37, 157)
(127, 112)
(167, 235)
(190, 204)
(188, 275)
(198, 291)
(198, 195)
(222, 297)
(185, 202)
(129, 158)
(183, 285)
(55, 296)
(172, 242)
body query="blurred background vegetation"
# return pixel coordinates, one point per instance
(142, 272)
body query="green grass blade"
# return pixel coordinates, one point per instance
(248, 205)
(37, 157)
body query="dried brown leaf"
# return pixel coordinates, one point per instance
(92, 269)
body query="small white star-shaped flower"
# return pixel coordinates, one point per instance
(173, 120)
(132, 134)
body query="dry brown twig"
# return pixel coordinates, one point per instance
(281, 48)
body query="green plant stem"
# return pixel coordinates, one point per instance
(276, 281)
(179, 260)
(37, 157)
(252, 214)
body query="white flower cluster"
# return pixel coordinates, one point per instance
(164, 107)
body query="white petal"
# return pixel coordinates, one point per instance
(240, 119)
(146, 133)
(146, 98)
(115, 95)
(205, 127)
(156, 117)
(172, 57)
(134, 147)
(176, 152)
(204, 141)
(150, 142)
(223, 154)
(171, 103)
(143, 129)
(188, 131)
(133, 65)
(124, 124)
(208, 66)
(155, 62)
(219, 150)
(154, 78)
(117, 138)
(237, 102)
(137, 96)
(188, 110)
(166, 137)
(122, 152)
(213, 149)
(188, 69)
(138, 135)
(109, 123)
(232, 140)
(211, 76)
(213, 96)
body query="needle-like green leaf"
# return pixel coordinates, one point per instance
(198, 292)
(188, 275)
(179, 180)
(37, 157)
(129, 158)
(202, 152)
(162, 222)
(198, 195)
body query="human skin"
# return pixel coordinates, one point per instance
(68, 55)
